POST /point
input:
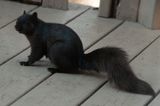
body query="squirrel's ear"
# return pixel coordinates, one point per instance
(35, 14)
(24, 12)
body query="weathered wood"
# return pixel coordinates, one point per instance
(90, 28)
(156, 101)
(105, 8)
(58, 4)
(132, 37)
(128, 10)
(149, 13)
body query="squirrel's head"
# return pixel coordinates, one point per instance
(27, 23)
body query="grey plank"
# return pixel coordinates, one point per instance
(11, 10)
(12, 42)
(16, 80)
(70, 90)
(132, 37)
(61, 16)
(61, 90)
(90, 27)
(145, 66)
(155, 102)
(19, 80)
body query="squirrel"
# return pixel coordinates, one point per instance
(64, 48)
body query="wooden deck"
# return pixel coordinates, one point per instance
(35, 86)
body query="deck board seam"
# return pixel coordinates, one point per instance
(19, 97)
(151, 100)
(91, 94)
(70, 20)
(143, 50)
(105, 35)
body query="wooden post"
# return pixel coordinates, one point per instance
(128, 10)
(149, 13)
(58, 4)
(105, 8)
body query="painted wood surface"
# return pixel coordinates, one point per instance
(90, 27)
(155, 102)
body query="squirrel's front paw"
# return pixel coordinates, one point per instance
(23, 63)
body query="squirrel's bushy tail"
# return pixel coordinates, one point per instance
(115, 62)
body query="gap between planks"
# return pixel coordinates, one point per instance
(150, 100)
(116, 27)
(9, 104)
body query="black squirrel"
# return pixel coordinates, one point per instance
(64, 48)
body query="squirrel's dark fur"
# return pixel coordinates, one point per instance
(64, 48)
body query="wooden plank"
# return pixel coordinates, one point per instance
(155, 102)
(90, 27)
(58, 4)
(18, 80)
(145, 66)
(132, 37)
(60, 16)
(149, 13)
(11, 10)
(62, 90)
(9, 37)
